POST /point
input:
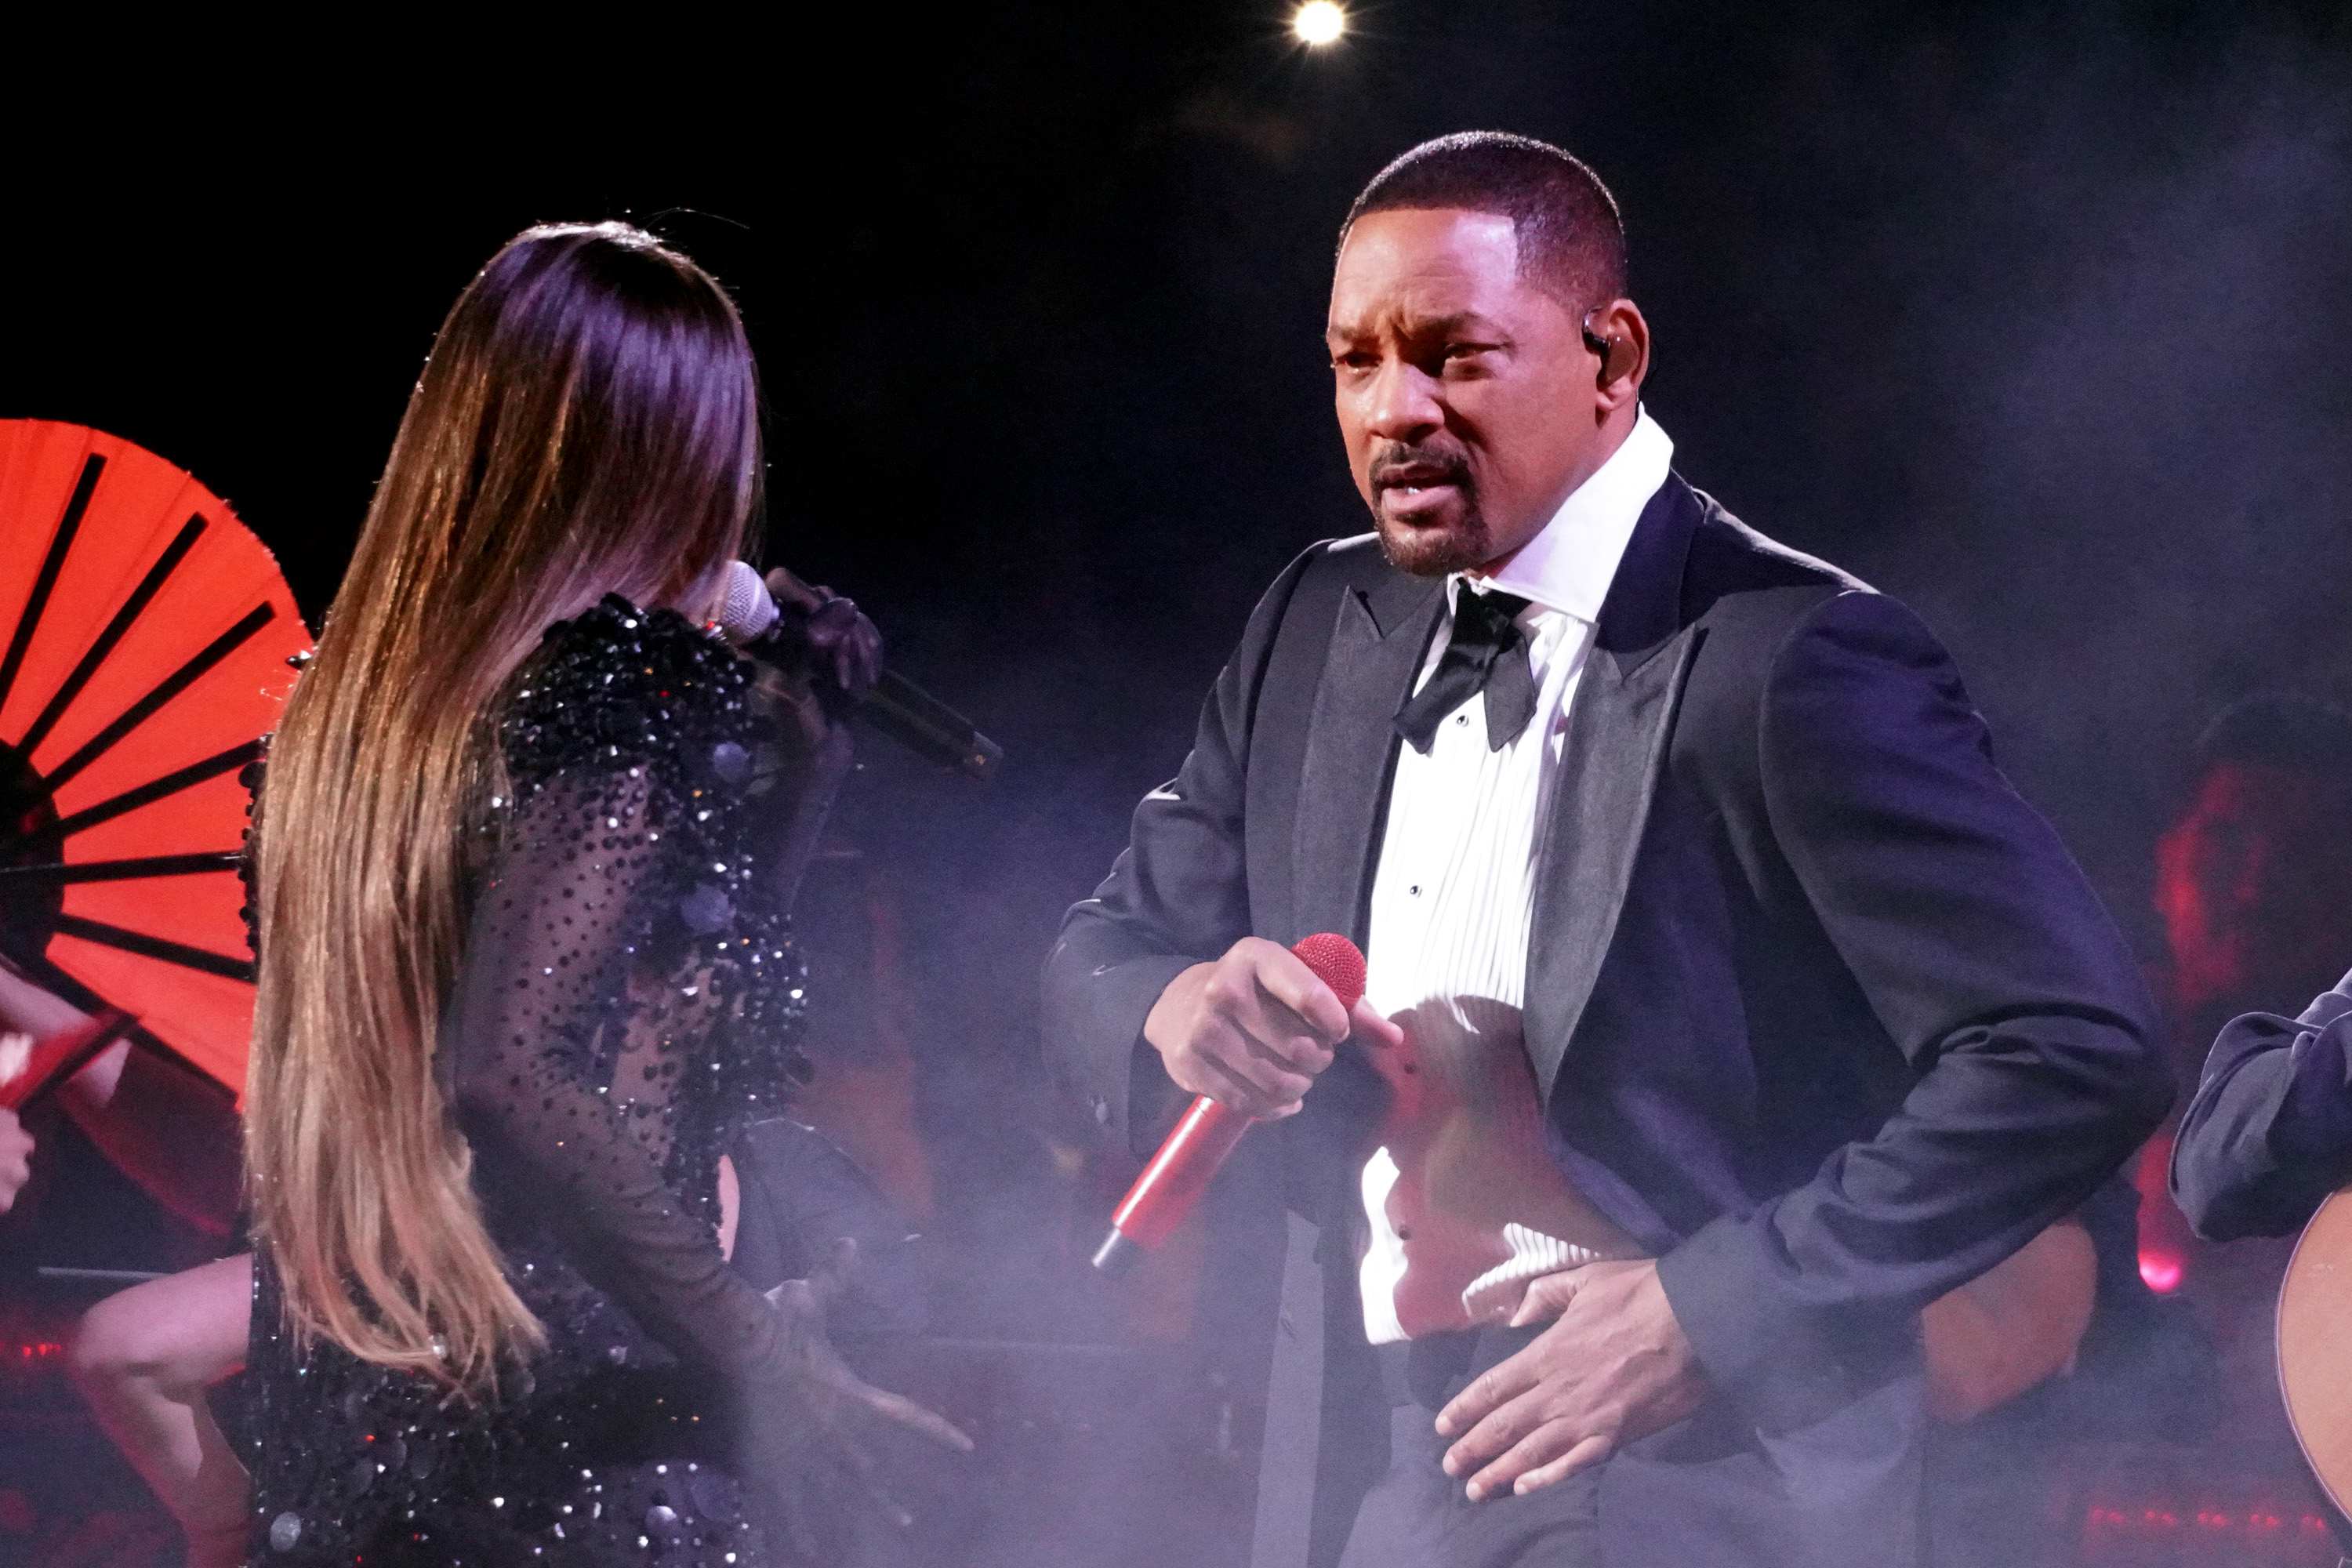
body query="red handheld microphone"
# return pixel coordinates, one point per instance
(1181, 1171)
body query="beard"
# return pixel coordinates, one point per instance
(1436, 550)
(1437, 544)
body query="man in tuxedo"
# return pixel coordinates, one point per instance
(1726, 1006)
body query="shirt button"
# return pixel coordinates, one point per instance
(1462, 717)
(1414, 889)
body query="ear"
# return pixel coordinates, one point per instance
(1620, 339)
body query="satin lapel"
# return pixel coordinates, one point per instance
(1618, 733)
(1609, 762)
(1375, 647)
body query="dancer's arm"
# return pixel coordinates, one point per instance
(573, 897)
(168, 1127)
(144, 1359)
(15, 1159)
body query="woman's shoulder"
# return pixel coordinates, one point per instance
(620, 684)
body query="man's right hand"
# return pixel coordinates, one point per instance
(1253, 1030)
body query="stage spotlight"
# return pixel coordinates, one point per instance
(1318, 22)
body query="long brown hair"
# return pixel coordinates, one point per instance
(587, 424)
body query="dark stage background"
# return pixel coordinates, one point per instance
(2034, 316)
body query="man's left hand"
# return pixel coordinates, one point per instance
(1612, 1367)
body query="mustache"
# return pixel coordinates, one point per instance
(1437, 464)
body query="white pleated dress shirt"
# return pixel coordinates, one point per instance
(1465, 1201)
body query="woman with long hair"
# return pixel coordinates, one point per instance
(523, 968)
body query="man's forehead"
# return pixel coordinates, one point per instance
(1435, 262)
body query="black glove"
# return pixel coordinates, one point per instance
(839, 648)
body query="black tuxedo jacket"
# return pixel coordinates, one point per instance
(1820, 1009)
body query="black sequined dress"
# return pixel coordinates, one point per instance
(627, 999)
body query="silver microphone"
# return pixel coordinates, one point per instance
(896, 706)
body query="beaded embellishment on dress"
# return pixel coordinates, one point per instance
(627, 998)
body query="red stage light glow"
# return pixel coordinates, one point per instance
(2161, 1272)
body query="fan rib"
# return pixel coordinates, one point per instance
(170, 686)
(170, 783)
(58, 873)
(155, 947)
(51, 564)
(149, 587)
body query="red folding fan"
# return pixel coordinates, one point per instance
(147, 640)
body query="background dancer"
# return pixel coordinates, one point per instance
(522, 977)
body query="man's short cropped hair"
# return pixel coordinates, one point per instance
(1571, 240)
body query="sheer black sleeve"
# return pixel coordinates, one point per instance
(552, 943)
(620, 917)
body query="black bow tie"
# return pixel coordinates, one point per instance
(1487, 653)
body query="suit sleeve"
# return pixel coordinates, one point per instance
(1177, 895)
(1991, 965)
(2270, 1133)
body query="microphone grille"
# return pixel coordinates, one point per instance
(749, 609)
(1336, 962)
